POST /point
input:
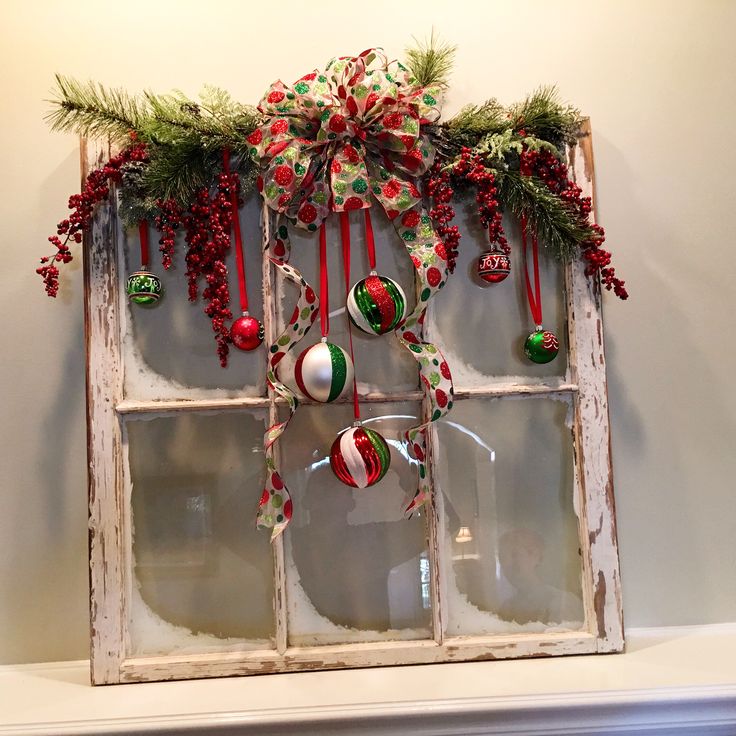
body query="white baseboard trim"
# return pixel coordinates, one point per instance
(643, 691)
(680, 632)
(684, 712)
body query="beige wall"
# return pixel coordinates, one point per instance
(657, 79)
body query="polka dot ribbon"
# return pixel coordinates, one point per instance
(337, 137)
(428, 254)
(275, 507)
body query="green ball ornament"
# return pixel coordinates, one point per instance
(541, 346)
(144, 288)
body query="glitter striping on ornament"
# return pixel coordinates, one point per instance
(323, 372)
(360, 457)
(376, 304)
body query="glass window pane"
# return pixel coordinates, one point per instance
(481, 327)
(169, 349)
(354, 563)
(511, 542)
(203, 574)
(382, 363)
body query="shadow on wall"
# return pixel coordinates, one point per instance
(673, 374)
(47, 612)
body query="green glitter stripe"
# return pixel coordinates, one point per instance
(367, 307)
(381, 448)
(339, 371)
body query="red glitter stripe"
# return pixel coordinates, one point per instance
(386, 308)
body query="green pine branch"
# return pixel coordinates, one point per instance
(217, 121)
(541, 116)
(90, 109)
(557, 225)
(544, 116)
(430, 62)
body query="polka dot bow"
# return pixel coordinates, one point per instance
(340, 135)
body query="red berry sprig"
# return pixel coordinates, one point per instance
(440, 192)
(96, 188)
(168, 220)
(471, 168)
(207, 225)
(554, 173)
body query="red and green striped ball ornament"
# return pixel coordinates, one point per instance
(376, 304)
(360, 457)
(541, 346)
(323, 372)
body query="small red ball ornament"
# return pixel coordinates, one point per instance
(246, 333)
(494, 266)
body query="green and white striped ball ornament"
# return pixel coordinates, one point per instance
(144, 287)
(360, 457)
(323, 372)
(376, 304)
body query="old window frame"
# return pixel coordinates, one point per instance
(110, 543)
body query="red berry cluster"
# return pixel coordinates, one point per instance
(440, 191)
(168, 219)
(96, 188)
(553, 172)
(207, 224)
(471, 168)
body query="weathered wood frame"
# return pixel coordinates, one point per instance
(111, 574)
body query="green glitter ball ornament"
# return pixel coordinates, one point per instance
(541, 346)
(144, 287)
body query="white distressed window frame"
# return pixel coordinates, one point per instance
(110, 539)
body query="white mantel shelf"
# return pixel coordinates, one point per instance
(670, 681)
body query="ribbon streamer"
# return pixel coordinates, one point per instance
(534, 295)
(143, 234)
(345, 236)
(239, 255)
(275, 507)
(324, 285)
(429, 257)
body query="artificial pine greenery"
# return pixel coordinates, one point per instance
(89, 109)
(430, 62)
(555, 223)
(185, 140)
(541, 115)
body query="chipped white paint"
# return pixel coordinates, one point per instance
(111, 577)
(601, 579)
(273, 326)
(104, 390)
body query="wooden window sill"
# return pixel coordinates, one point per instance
(669, 681)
